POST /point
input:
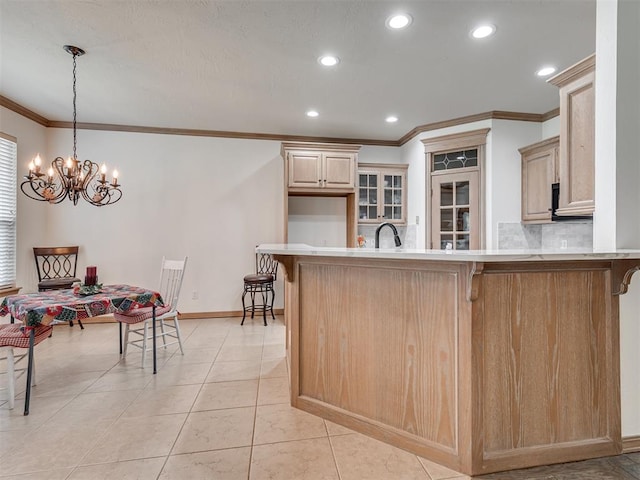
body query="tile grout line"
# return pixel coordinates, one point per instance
(255, 413)
(164, 464)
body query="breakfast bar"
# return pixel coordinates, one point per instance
(482, 361)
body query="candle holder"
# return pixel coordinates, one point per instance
(84, 290)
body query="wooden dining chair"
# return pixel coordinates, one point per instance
(56, 268)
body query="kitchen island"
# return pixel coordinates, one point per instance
(481, 361)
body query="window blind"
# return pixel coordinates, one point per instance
(8, 160)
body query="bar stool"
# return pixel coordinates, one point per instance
(260, 283)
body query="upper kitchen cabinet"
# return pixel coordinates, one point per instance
(321, 169)
(577, 138)
(539, 171)
(382, 193)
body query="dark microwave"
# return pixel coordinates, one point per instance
(555, 199)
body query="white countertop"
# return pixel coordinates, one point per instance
(448, 255)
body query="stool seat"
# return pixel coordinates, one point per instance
(258, 278)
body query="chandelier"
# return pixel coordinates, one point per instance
(71, 178)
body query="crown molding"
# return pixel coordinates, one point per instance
(492, 115)
(321, 147)
(219, 133)
(551, 114)
(460, 140)
(25, 112)
(574, 71)
(539, 145)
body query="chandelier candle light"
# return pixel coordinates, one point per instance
(71, 178)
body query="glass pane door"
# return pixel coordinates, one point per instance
(368, 197)
(454, 213)
(392, 186)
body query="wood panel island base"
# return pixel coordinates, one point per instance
(480, 361)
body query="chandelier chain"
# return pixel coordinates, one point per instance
(74, 107)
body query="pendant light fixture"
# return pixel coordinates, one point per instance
(71, 178)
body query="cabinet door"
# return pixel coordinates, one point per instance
(577, 147)
(368, 197)
(338, 170)
(305, 169)
(393, 197)
(538, 173)
(455, 211)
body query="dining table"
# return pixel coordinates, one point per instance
(62, 306)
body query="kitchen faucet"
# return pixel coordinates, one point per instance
(396, 238)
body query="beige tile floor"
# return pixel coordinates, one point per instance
(219, 412)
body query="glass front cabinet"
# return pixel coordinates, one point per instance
(382, 193)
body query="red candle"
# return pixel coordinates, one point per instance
(91, 276)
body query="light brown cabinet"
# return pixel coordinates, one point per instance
(539, 171)
(576, 161)
(322, 170)
(320, 167)
(382, 193)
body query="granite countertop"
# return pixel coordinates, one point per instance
(448, 255)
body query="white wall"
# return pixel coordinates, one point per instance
(551, 128)
(501, 169)
(616, 219)
(318, 221)
(211, 199)
(628, 199)
(604, 216)
(32, 221)
(374, 154)
(503, 173)
(413, 154)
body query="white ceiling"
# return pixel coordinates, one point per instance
(251, 66)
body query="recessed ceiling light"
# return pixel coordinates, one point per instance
(312, 113)
(328, 60)
(483, 31)
(400, 20)
(391, 119)
(543, 72)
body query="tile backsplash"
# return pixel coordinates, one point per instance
(547, 236)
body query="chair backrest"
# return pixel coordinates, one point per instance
(55, 262)
(265, 263)
(171, 275)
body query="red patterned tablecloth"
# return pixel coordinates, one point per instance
(63, 305)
